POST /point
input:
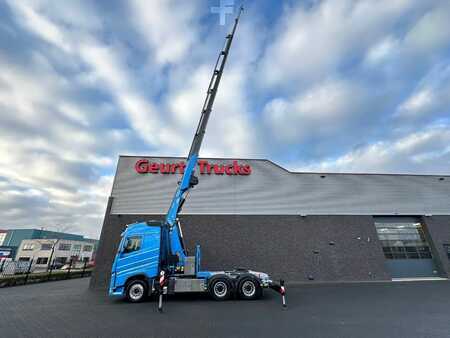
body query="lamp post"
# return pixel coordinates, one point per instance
(51, 254)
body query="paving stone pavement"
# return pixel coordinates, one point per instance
(69, 309)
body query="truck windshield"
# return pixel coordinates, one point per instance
(154, 223)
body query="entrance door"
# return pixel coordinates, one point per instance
(405, 247)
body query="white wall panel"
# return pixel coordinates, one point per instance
(271, 189)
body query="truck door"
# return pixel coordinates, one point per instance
(128, 259)
(139, 255)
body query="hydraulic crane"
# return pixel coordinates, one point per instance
(152, 257)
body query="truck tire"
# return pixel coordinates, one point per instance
(249, 288)
(220, 288)
(136, 291)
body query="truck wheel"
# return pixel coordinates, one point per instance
(220, 288)
(136, 291)
(249, 288)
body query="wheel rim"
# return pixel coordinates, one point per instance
(220, 289)
(136, 291)
(248, 288)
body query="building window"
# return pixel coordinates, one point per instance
(132, 244)
(46, 246)
(28, 247)
(61, 260)
(404, 240)
(64, 246)
(87, 248)
(76, 249)
(24, 259)
(42, 260)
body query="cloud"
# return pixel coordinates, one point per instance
(430, 99)
(107, 69)
(51, 145)
(55, 209)
(381, 51)
(105, 64)
(417, 103)
(64, 159)
(232, 129)
(312, 42)
(425, 152)
(342, 74)
(320, 113)
(432, 31)
(324, 85)
(168, 27)
(39, 25)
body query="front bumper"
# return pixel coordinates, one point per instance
(278, 287)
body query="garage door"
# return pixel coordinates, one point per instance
(405, 247)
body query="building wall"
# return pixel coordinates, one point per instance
(326, 231)
(272, 190)
(438, 228)
(37, 252)
(15, 237)
(291, 247)
(3, 234)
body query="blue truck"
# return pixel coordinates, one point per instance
(152, 257)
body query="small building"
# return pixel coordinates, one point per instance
(59, 251)
(14, 237)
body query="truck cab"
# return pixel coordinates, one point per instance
(137, 257)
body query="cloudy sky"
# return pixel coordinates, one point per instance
(333, 85)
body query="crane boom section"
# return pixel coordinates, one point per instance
(187, 180)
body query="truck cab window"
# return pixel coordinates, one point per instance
(132, 244)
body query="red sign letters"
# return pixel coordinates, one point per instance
(204, 167)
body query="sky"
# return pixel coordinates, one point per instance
(327, 86)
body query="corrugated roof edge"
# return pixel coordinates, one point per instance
(284, 169)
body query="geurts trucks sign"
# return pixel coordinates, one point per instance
(204, 167)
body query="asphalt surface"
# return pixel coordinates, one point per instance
(69, 309)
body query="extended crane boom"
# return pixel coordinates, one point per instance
(189, 179)
(152, 259)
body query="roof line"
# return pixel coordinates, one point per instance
(286, 170)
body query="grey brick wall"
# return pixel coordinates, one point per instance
(291, 247)
(439, 231)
